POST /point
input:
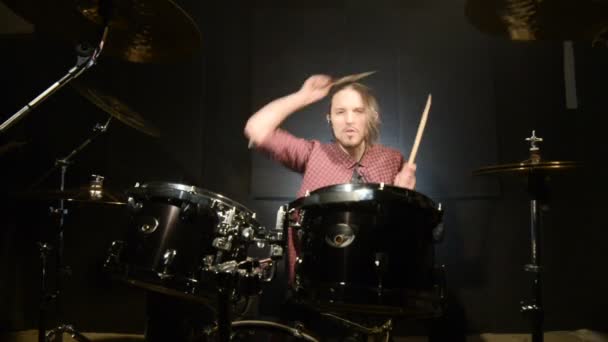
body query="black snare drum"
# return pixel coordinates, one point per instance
(178, 233)
(366, 248)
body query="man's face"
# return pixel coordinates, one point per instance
(349, 118)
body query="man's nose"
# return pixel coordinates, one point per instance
(350, 116)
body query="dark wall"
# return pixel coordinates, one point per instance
(488, 95)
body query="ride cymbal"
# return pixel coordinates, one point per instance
(117, 109)
(142, 31)
(533, 20)
(525, 168)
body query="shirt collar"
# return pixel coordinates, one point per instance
(346, 160)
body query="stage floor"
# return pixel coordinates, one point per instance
(581, 335)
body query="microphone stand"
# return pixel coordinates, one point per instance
(83, 63)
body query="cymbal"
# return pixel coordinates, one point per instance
(526, 168)
(141, 31)
(116, 108)
(531, 20)
(86, 195)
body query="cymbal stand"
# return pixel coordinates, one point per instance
(225, 293)
(45, 247)
(85, 60)
(383, 329)
(538, 192)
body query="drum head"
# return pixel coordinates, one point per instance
(371, 195)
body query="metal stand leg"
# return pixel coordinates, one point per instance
(383, 331)
(56, 334)
(534, 308)
(45, 297)
(224, 313)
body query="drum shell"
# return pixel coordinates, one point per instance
(179, 238)
(390, 248)
(181, 228)
(367, 248)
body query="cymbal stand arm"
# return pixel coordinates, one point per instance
(98, 130)
(83, 63)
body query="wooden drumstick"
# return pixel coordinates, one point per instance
(425, 114)
(351, 78)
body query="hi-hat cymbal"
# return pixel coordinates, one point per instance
(85, 195)
(531, 20)
(116, 108)
(140, 31)
(527, 168)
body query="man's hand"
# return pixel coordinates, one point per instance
(315, 88)
(406, 178)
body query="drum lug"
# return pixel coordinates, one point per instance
(148, 224)
(223, 243)
(229, 218)
(114, 253)
(208, 261)
(441, 287)
(191, 286)
(248, 234)
(276, 252)
(187, 212)
(168, 258)
(296, 217)
(438, 230)
(133, 204)
(297, 270)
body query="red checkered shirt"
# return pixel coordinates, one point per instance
(327, 164)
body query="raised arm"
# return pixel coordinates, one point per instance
(270, 117)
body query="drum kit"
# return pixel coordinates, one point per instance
(365, 250)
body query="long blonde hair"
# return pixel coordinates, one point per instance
(371, 106)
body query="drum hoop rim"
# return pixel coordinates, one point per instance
(194, 190)
(249, 323)
(316, 197)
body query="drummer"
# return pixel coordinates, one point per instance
(353, 157)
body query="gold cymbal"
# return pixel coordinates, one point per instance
(532, 20)
(526, 168)
(85, 195)
(142, 31)
(116, 108)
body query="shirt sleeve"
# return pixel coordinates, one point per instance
(396, 165)
(287, 149)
